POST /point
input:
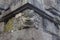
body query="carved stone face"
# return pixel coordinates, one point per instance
(25, 20)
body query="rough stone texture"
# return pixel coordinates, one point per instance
(5, 36)
(50, 26)
(27, 34)
(49, 3)
(31, 33)
(1, 26)
(46, 36)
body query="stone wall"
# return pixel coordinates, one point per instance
(46, 30)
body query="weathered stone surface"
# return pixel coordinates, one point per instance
(27, 34)
(46, 36)
(5, 36)
(1, 26)
(50, 26)
(35, 32)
